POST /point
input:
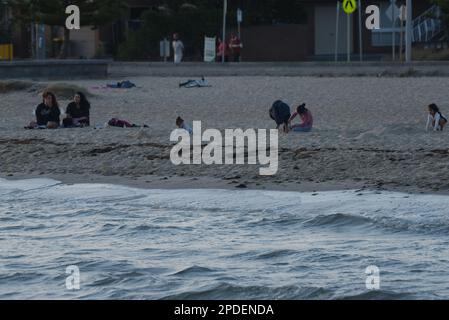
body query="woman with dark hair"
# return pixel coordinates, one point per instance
(280, 113)
(435, 118)
(78, 112)
(47, 113)
(306, 118)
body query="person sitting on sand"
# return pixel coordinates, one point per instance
(77, 112)
(280, 113)
(47, 113)
(181, 124)
(435, 118)
(306, 118)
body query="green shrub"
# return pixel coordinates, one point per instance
(192, 24)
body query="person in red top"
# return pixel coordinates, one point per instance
(306, 118)
(222, 47)
(236, 47)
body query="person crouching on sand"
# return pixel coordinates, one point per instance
(77, 112)
(306, 118)
(47, 113)
(181, 124)
(435, 118)
(280, 113)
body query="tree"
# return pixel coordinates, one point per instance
(94, 13)
(5, 24)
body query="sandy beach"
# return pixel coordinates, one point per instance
(369, 133)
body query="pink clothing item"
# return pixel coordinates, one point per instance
(307, 119)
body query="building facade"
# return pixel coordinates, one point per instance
(313, 39)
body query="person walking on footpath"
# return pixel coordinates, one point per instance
(236, 47)
(178, 49)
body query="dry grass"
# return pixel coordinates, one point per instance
(14, 85)
(66, 91)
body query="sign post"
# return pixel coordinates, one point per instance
(349, 6)
(402, 18)
(360, 32)
(408, 31)
(337, 30)
(225, 11)
(239, 22)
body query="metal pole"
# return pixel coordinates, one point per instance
(348, 44)
(225, 9)
(360, 31)
(401, 47)
(408, 32)
(393, 18)
(336, 31)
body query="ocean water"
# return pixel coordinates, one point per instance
(219, 244)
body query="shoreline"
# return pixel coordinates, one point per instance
(150, 182)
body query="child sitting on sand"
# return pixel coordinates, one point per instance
(181, 124)
(47, 113)
(435, 118)
(306, 118)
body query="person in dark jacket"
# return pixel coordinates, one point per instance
(47, 113)
(78, 112)
(280, 113)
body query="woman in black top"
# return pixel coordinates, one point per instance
(78, 112)
(47, 113)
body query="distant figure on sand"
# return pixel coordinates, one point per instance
(306, 118)
(181, 124)
(178, 49)
(280, 113)
(47, 113)
(435, 118)
(77, 112)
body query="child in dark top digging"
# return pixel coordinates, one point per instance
(280, 113)
(47, 113)
(78, 112)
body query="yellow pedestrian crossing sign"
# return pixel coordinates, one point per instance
(349, 6)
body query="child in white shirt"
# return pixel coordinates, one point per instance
(435, 118)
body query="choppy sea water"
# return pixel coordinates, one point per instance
(219, 244)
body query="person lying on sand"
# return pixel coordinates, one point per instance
(194, 83)
(115, 122)
(77, 112)
(121, 85)
(181, 124)
(280, 113)
(435, 118)
(47, 113)
(306, 118)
